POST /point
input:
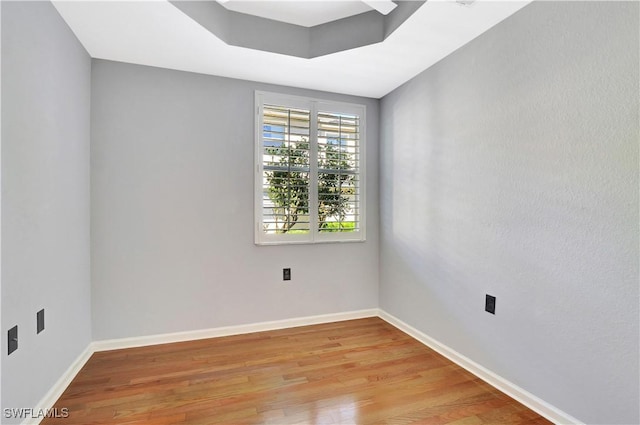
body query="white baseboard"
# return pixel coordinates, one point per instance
(115, 344)
(61, 385)
(534, 403)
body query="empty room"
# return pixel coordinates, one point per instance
(319, 212)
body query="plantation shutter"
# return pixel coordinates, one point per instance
(286, 174)
(338, 157)
(309, 170)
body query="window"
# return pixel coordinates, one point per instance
(310, 183)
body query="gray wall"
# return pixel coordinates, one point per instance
(511, 168)
(172, 211)
(1, 327)
(45, 196)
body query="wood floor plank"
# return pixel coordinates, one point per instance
(353, 372)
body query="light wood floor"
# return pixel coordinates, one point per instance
(354, 372)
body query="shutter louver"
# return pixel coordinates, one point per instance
(338, 172)
(286, 173)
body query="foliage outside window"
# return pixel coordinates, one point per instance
(309, 181)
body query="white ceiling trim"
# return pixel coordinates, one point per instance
(156, 33)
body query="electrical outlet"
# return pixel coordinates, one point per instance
(13, 339)
(490, 304)
(40, 321)
(286, 274)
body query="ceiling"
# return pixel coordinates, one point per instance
(156, 33)
(307, 13)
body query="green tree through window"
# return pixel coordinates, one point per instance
(288, 186)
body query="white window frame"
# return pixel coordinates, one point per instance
(313, 105)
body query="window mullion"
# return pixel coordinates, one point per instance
(313, 168)
(258, 207)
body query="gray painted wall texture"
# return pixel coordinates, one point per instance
(45, 195)
(172, 177)
(511, 168)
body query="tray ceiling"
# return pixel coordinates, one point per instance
(157, 33)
